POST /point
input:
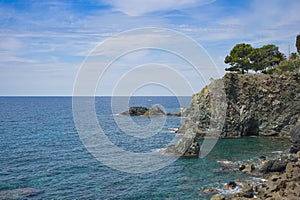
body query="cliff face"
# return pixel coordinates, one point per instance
(257, 104)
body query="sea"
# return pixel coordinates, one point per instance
(41, 148)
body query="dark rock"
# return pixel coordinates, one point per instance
(249, 195)
(283, 186)
(148, 112)
(295, 138)
(242, 167)
(231, 185)
(174, 114)
(262, 158)
(273, 166)
(249, 169)
(187, 146)
(154, 111)
(250, 126)
(277, 164)
(257, 104)
(135, 111)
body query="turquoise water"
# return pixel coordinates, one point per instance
(40, 148)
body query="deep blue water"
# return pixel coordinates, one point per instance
(40, 148)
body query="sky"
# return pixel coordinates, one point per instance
(44, 44)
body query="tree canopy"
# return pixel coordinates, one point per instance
(298, 43)
(239, 58)
(244, 57)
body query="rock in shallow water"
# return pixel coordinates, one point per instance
(277, 164)
(184, 149)
(18, 194)
(295, 138)
(217, 197)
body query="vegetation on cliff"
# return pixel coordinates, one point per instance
(243, 57)
(265, 103)
(267, 59)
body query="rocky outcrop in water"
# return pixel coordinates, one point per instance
(21, 193)
(135, 111)
(280, 177)
(282, 182)
(257, 104)
(295, 138)
(184, 149)
(148, 112)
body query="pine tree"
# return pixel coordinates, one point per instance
(298, 43)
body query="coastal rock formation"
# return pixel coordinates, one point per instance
(154, 111)
(257, 104)
(135, 111)
(283, 183)
(281, 177)
(295, 138)
(186, 147)
(148, 112)
(277, 164)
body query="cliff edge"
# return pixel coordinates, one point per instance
(257, 105)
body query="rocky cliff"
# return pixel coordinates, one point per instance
(257, 104)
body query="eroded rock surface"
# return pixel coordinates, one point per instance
(257, 104)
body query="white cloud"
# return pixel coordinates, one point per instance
(138, 7)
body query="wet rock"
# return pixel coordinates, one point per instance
(186, 147)
(18, 194)
(295, 138)
(262, 158)
(242, 167)
(230, 186)
(223, 170)
(210, 191)
(283, 186)
(217, 197)
(277, 164)
(249, 169)
(226, 163)
(249, 195)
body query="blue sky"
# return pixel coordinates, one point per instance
(43, 43)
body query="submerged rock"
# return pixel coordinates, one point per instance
(18, 194)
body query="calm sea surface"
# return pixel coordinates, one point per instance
(40, 148)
